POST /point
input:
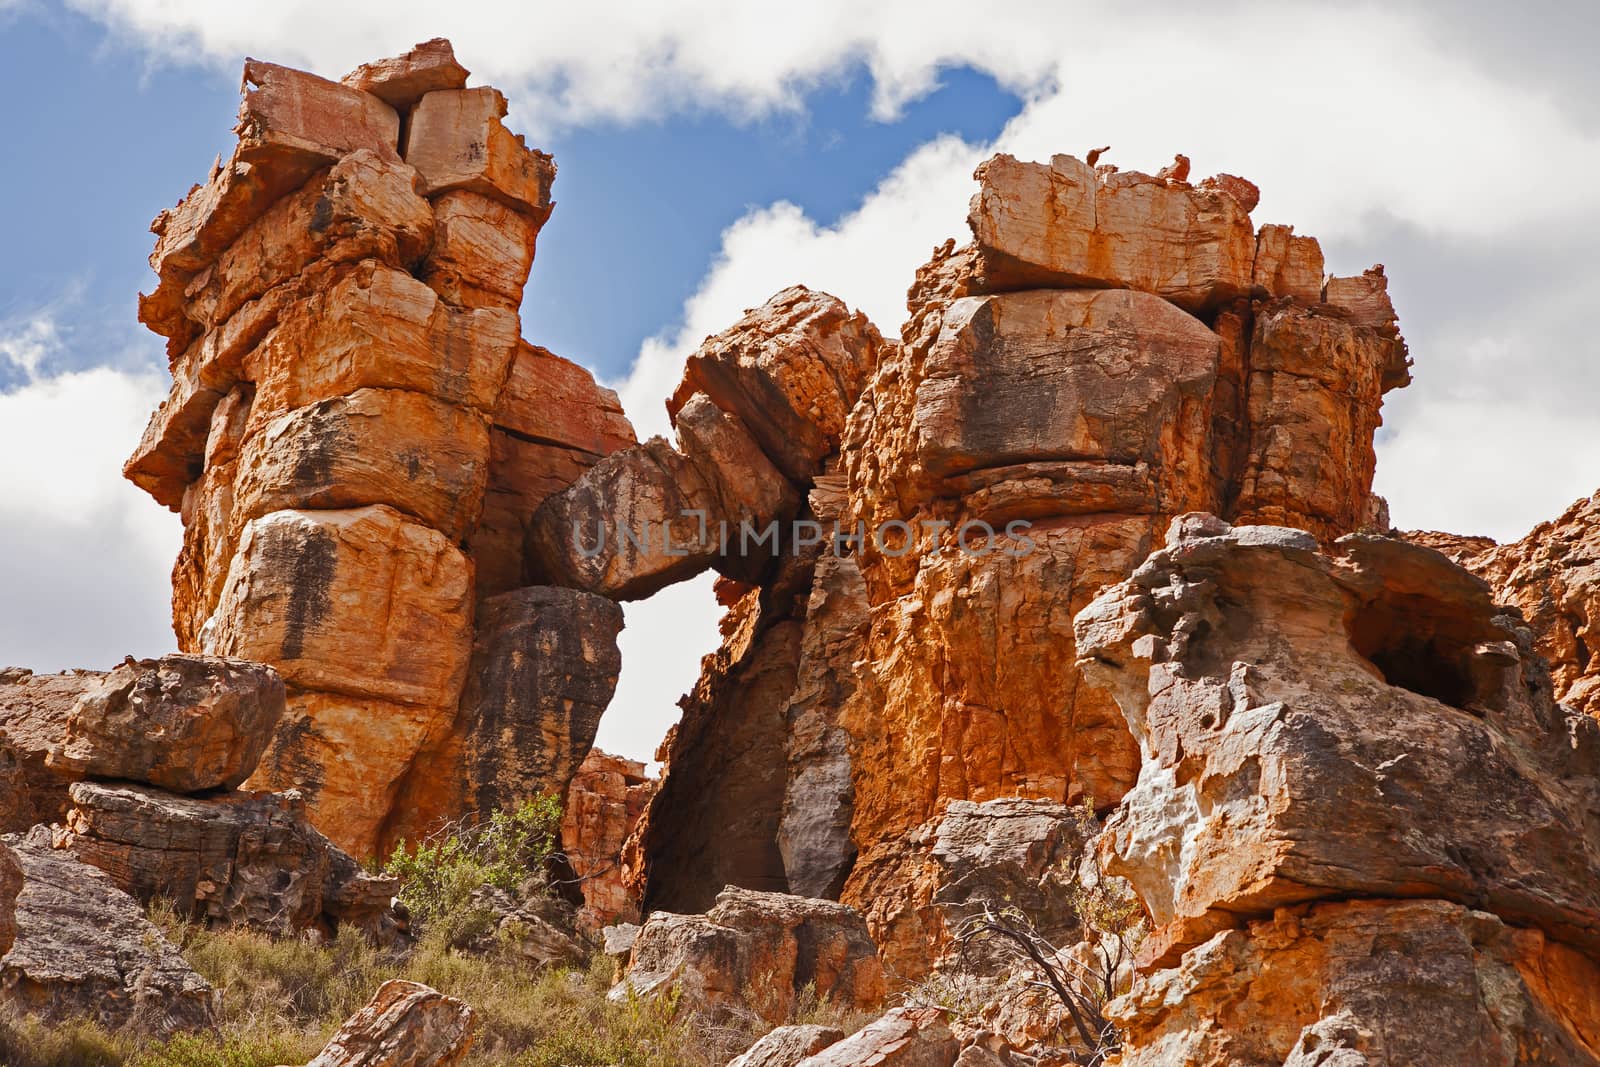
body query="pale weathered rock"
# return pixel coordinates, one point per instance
(403, 80)
(1365, 724)
(544, 665)
(752, 953)
(904, 1037)
(790, 370)
(1423, 983)
(185, 723)
(1286, 265)
(233, 859)
(85, 950)
(1553, 575)
(1060, 225)
(604, 802)
(788, 1045)
(406, 1024)
(455, 140)
(361, 602)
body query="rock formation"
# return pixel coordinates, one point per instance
(406, 1024)
(356, 434)
(753, 953)
(1112, 350)
(603, 805)
(1316, 727)
(84, 949)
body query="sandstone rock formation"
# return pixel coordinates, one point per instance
(788, 1045)
(10, 886)
(1113, 350)
(248, 859)
(406, 1024)
(603, 804)
(84, 949)
(356, 432)
(1315, 727)
(904, 1037)
(752, 954)
(1553, 576)
(185, 723)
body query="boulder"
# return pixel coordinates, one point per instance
(1366, 723)
(790, 371)
(34, 712)
(753, 953)
(181, 722)
(402, 80)
(1063, 225)
(84, 949)
(235, 859)
(788, 1045)
(605, 800)
(904, 1037)
(1424, 983)
(405, 1024)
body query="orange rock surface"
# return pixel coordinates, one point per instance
(603, 804)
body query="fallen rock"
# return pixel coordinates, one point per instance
(84, 949)
(181, 722)
(904, 1037)
(753, 953)
(34, 712)
(235, 859)
(406, 1024)
(1062, 225)
(788, 1045)
(1350, 982)
(1365, 723)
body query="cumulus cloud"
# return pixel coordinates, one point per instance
(84, 556)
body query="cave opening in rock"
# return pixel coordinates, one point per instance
(1416, 646)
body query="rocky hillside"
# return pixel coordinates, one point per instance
(1075, 704)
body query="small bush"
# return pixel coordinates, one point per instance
(439, 876)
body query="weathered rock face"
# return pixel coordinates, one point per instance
(247, 859)
(85, 950)
(605, 801)
(1553, 575)
(760, 409)
(788, 1045)
(187, 723)
(1113, 350)
(356, 433)
(10, 886)
(904, 1037)
(752, 953)
(1369, 981)
(406, 1024)
(544, 666)
(1315, 727)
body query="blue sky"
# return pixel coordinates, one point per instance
(712, 152)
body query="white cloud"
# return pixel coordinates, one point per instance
(84, 556)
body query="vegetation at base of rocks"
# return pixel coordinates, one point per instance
(440, 874)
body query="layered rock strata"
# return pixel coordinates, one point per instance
(1361, 723)
(1112, 350)
(356, 431)
(604, 803)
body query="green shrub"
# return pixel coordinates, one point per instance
(440, 874)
